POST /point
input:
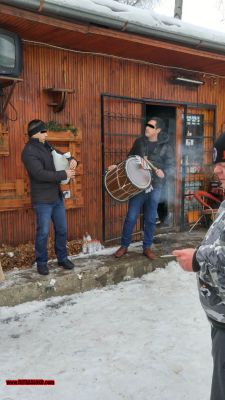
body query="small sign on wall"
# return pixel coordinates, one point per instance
(66, 194)
(189, 142)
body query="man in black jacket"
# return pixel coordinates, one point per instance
(46, 196)
(155, 146)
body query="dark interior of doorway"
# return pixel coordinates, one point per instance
(168, 114)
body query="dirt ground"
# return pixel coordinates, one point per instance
(22, 256)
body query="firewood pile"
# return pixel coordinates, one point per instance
(22, 256)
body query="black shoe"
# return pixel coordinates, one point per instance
(43, 269)
(67, 264)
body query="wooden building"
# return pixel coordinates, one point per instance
(113, 81)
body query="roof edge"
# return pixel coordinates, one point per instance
(119, 23)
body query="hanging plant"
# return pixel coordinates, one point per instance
(56, 127)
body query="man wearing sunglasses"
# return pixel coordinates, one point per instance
(46, 196)
(154, 145)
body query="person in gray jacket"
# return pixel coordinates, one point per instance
(46, 196)
(208, 261)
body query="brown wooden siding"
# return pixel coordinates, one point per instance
(89, 75)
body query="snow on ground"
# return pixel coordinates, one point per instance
(146, 339)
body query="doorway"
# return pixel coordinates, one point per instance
(166, 204)
(189, 126)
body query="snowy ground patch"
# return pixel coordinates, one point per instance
(146, 339)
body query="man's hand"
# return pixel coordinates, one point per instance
(159, 173)
(184, 258)
(112, 167)
(144, 163)
(73, 164)
(70, 173)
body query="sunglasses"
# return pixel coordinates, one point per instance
(43, 131)
(151, 126)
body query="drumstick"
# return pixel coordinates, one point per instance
(150, 164)
(167, 255)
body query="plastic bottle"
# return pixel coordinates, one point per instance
(84, 247)
(98, 245)
(90, 246)
(86, 243)
(87, 239)
(95, 245)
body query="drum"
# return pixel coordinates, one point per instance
(127, 179)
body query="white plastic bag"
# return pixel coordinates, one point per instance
(61, 163)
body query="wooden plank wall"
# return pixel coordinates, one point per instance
(89, 75)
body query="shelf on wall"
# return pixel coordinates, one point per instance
(60, 97)
(6, 81)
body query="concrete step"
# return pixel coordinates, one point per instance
(91, 271)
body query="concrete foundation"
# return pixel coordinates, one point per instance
(93, 271)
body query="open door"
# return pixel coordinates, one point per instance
(122, 123)
(166, 207)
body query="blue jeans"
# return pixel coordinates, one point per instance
(150, 202)
(45, 212)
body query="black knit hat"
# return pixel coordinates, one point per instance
(35, 126)
(219, 149)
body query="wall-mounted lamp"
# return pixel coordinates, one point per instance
(182, 80)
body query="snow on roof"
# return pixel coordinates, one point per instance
(141, 18)
(127, 18)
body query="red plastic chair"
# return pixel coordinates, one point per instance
(205, 199)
